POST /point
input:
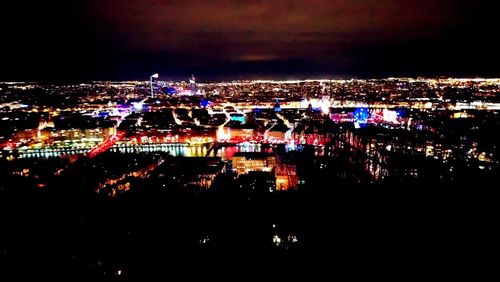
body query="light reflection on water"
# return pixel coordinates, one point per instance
(197, 150)
(177, 150)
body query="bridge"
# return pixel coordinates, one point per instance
(105, 144)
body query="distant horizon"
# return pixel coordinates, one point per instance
(263, 79)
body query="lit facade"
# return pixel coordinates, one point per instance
(286, 177)
(246, 162)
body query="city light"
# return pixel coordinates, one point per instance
(273, 138)
(138, 105)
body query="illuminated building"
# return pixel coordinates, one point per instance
(286, 177)
(192, 85)
(236, 131)
(461, 115)
(278, 132)
(77, 134)
(252, 161)
(45, 123)
(343, 116)
(155, 76)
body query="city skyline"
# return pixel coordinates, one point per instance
(144, 139)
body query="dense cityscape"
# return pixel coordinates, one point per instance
(187, 167)
(166, 140)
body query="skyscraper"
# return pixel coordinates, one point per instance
(192, 85)
(154, 76)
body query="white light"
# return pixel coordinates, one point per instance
(276, 240)
(390, 116)
(156, 75)
(138, 105)
(325, 108)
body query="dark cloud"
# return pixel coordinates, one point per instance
(223, 38)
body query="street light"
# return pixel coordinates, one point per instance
(155, 76)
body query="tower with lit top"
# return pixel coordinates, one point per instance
(192, 85)
(154, 76)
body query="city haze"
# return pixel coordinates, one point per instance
(119, 40)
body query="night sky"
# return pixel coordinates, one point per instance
(230, 39)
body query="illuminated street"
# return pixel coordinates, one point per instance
(162, 140)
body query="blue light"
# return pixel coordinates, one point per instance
(238, 117)
(205, 103)
(361, 115)
(277, 107)
(171, 90)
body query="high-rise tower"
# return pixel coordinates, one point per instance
(155, 76)
(192, 84)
